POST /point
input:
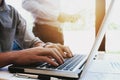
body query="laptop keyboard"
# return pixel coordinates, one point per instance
(69, 63)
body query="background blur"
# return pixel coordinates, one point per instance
(80, 35)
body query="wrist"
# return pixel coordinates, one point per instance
(39, 44)
(47, 43)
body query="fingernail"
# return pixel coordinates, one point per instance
(56, 64)
(70, 55)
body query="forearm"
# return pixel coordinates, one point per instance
(33, 6)
(16, 57)
(13, 57)
(24, 37)
(7, 58)
(40, 10)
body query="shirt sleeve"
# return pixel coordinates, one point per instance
(43, 9)
(25, 38)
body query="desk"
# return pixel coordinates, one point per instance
(89, 76)
(106, 67)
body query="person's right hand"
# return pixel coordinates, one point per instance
(38, 54)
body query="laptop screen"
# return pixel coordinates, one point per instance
(98, 40)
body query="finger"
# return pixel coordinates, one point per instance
(61, 49)
(57, 46)
(57, 56)
(50, 52)
(46, 59)
(68, 51)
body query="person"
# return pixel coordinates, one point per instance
(48, 19)
(33, 50)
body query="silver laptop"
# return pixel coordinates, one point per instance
(94, 51)
(73, 68)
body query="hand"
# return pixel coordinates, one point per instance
(38, 54)
(63, 50)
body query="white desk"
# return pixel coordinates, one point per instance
(90, 75)
(107, 67)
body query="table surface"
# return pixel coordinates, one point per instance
(106, 67)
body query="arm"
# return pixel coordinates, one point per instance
(25, 38)
(4, 59)
(41, 9)
(29, 56)
(36, 55)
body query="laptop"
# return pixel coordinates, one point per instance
(73, 68)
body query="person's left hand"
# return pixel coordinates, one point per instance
(64, 50)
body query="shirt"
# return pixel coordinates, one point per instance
(13, 27)
(44, 11)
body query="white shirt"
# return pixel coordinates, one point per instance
(44, 11)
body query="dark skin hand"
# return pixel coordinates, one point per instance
(64, 50)
(36, 55)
